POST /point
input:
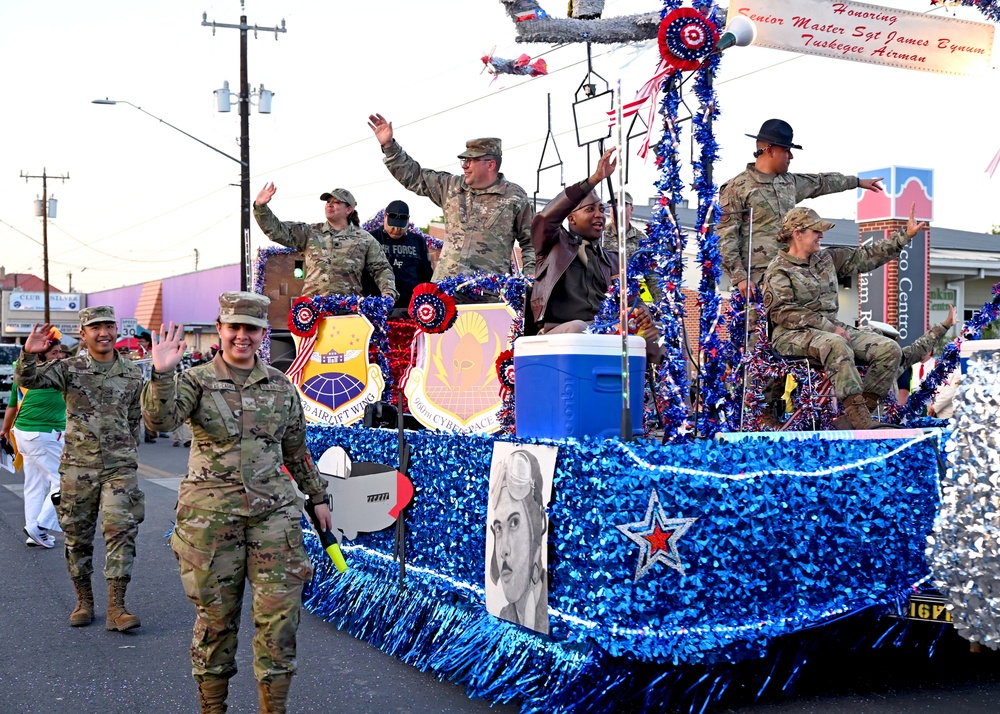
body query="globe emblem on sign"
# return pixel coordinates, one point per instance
(332, 389)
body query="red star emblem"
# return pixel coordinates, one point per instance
(658, 539)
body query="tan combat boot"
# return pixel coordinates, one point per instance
(212, 696)
(858, 413)
(83, 615)
(273, 694)
(119, 619)
(873, 402)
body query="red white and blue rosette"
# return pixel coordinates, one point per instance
(505, 371)
(303, 317)
(686, 36)
(433, 310)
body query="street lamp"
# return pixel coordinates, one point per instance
(244, 183)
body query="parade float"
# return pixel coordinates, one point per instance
(659, 571)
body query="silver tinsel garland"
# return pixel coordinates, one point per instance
(586, 9)
(544, 28)
(964, 550)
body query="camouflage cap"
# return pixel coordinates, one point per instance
(628, 199)
(342, 195)
(246, 308)
(799, 219)
(100, 313)
(475, 148)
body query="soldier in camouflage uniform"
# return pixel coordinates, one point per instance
(771, 191)
(99, 460)
(483, 212)
(800, 296)
(921, 349)
(336, 252)
(237, 513)
(767, 187)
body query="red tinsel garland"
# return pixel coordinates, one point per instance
(401, 332)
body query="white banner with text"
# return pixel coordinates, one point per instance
(870, 33)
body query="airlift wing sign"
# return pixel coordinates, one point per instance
(338, 381)
(870, 33)
(454, 386)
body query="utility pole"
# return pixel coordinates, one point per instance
(196, 260)
(45, 230)
(70, 282)
(244, 100)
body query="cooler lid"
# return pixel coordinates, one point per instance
(970, 347)
(578, 344)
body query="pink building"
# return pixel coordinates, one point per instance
(191, 299)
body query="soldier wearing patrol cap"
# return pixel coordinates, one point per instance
(336, 252)
(800, 296)
(99, 459)
(484, 213)
(237, 513)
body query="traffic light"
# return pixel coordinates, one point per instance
(298, 271)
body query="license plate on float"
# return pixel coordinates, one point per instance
(928, 608)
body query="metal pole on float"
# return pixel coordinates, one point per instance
(626, 424)
(746, 322)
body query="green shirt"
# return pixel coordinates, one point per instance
(41, 410)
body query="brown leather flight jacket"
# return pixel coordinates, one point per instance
(554, 247)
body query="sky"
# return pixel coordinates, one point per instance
(143, 199)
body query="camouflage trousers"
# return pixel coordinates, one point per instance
(217, 553)
(112, 494)
(839, 358)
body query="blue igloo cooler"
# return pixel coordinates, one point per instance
(971, 348)
(571, 385)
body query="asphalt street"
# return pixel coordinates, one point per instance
(47, 667)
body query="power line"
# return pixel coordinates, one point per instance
(18, 230)
(425, 118)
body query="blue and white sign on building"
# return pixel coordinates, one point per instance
(64, 302)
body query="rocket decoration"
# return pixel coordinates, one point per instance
(686, 36)
(522, 66)
(526, 11)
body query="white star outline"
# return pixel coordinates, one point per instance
(637, 532)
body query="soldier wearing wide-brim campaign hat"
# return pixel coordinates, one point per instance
(762, 194)
(776, 132)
